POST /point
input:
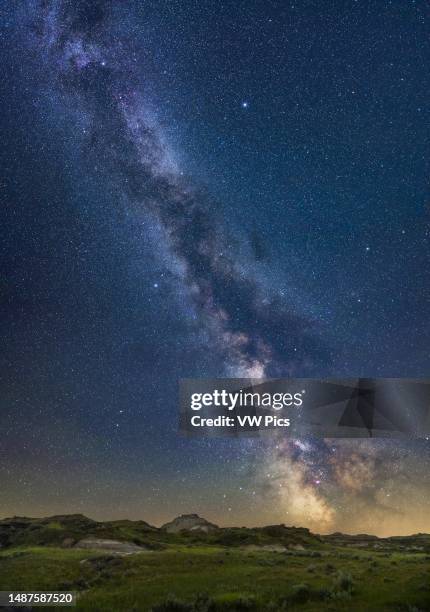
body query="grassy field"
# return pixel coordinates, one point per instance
(208, 578)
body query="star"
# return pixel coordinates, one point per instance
(325, 180)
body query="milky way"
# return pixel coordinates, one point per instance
(256, 334)
(304, 302)
(347, 485)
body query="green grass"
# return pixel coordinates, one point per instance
(299, 580)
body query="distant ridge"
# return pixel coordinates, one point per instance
(189, 522)
(71, 529)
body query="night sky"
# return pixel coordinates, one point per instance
(199, 188)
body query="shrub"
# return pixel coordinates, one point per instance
(343, 581)
(204, 603)
(342, 587)
(301, 593)
(171, 604)
(241, 604)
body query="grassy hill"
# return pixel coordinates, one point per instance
(269, 569)
(67, 531)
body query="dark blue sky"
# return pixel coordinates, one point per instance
(200, 188)
(329, 160)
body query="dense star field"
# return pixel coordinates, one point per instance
(210, 189)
